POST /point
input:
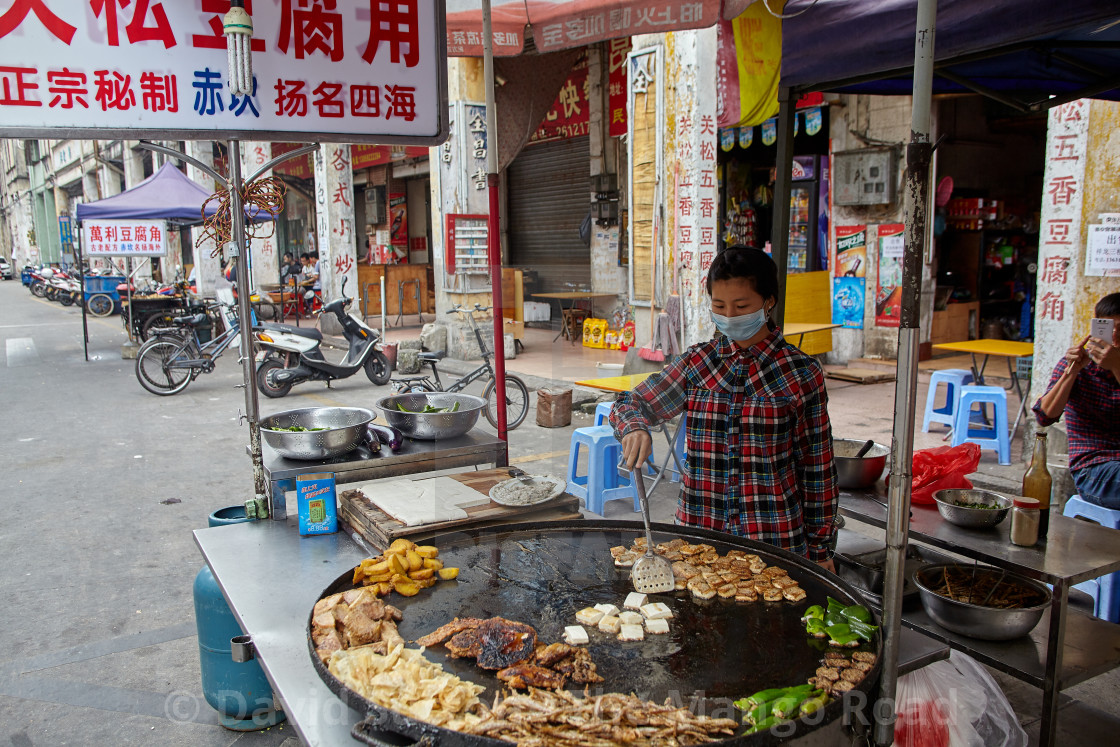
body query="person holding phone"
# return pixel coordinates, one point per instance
(1085, 386)
(759, 458)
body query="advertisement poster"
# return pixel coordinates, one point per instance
(1102, 250)
(851, 252)
(398, 225)
(888, 296)
(847, 302)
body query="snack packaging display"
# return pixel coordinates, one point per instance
(318, 505)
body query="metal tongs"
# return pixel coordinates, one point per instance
(651, 574)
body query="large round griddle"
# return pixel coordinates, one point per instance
(717, 650)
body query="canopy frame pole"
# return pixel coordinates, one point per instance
(915, 217)
(783, 189)
(493, 232)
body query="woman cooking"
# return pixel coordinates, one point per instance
(759, 442)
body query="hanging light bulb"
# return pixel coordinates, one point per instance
(238, 29)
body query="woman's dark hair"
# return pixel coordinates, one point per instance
(1107, 306)
(748, 262)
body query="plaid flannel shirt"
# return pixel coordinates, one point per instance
(1092, 416)
(759, 442)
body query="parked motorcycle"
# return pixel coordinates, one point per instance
(292, 354)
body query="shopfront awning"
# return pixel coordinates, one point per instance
(1021, 52)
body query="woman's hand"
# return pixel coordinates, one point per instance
(828, 565)
(636, 448)
(1104, 355)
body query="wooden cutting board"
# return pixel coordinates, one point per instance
(379, 529)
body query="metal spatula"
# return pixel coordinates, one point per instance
(651, 574)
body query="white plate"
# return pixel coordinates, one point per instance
(510, 492)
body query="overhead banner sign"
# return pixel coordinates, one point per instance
(350, 70)
(124, 238)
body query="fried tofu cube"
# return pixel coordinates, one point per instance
(607, 609)
(630, 617)
(659, 626)
(634, 601)
(575, 635)
(657, 611)
(631, 633)
(610, 624)
(589, 616)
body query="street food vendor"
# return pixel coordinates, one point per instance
(759, 443)
(1085, 386)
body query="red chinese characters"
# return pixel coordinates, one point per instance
(394, 24)
(331, 100)
(314, 24)
(1062, 189)
(1054, 270)
(1053, 307)
(136, 30)
(19, 11)
(343, 264)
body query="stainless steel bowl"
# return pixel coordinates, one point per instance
(973, 620)
(344, 431)
(431, 426)
(948, 503)
(858, 473)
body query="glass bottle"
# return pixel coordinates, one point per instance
(1037, 482)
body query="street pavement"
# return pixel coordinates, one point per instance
(104, 483)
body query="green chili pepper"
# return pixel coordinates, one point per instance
(787, 706)
(863, 630)
(402, 408)
(455, 408)
(760, 697)
(763, 725)
(813, 705)
(816, 611)
(835, 618)
(834, 606)
(839, 629)
(844, 639)
(760, 713)
(816, 627)
(858, 612)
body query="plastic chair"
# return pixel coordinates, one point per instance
(954, 379)
(602, 412)
(602, 482)
(1104, 590)
(995, 436)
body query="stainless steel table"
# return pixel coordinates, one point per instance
(469, 450)
(1067, 647)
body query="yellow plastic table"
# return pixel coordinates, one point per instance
(800, 329)
(1008, 349)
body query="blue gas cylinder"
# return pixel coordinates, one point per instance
(240, 692)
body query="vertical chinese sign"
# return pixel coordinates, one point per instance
(849, 279)
(347, 70)
(1059, 250)
(888, 293)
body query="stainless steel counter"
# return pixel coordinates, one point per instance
(1067, 647)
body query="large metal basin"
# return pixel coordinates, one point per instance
(974, 620)
(345, 430)
(853, 473)
(542, 574)
(431, 426)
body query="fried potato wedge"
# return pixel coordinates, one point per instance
(448, 574)
(426, 551)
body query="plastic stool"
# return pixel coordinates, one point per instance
(995, 436)
(954, 379)
(602, 482)
(602, 412)
(1105, 590)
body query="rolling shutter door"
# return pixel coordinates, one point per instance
(549, 196)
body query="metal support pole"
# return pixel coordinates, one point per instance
(915, 216)
(245, 316)
(382, 306)
(493, 224)
(85, 311)
(779, 235)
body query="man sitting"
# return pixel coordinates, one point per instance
(1085, 386)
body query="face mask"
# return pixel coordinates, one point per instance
(742, 327)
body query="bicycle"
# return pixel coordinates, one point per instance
(173, 358)
(517, 394)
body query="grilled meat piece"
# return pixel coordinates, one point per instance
(579, 667)
(505, 643)
(467, 644)
(547, 656)
(327, 641)
(865, 656)
(393, 612)
(524, 676)
(390, 635)
(359, 629)
(442, 633)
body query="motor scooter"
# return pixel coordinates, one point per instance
(292, 355)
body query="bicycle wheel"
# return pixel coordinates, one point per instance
(153, 363)
(517, 402)
(377, 368)
(100, 305)
(163, 319)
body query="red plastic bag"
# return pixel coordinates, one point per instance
(943, 468)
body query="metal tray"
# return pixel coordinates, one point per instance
(866, 570)
(542, 573)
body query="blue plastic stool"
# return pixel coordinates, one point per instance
(602, 482)
(995, 436)
(602, 412)
(954, 379)
(1104, 590)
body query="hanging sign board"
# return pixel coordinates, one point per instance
(345, 70)
(124, 238)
